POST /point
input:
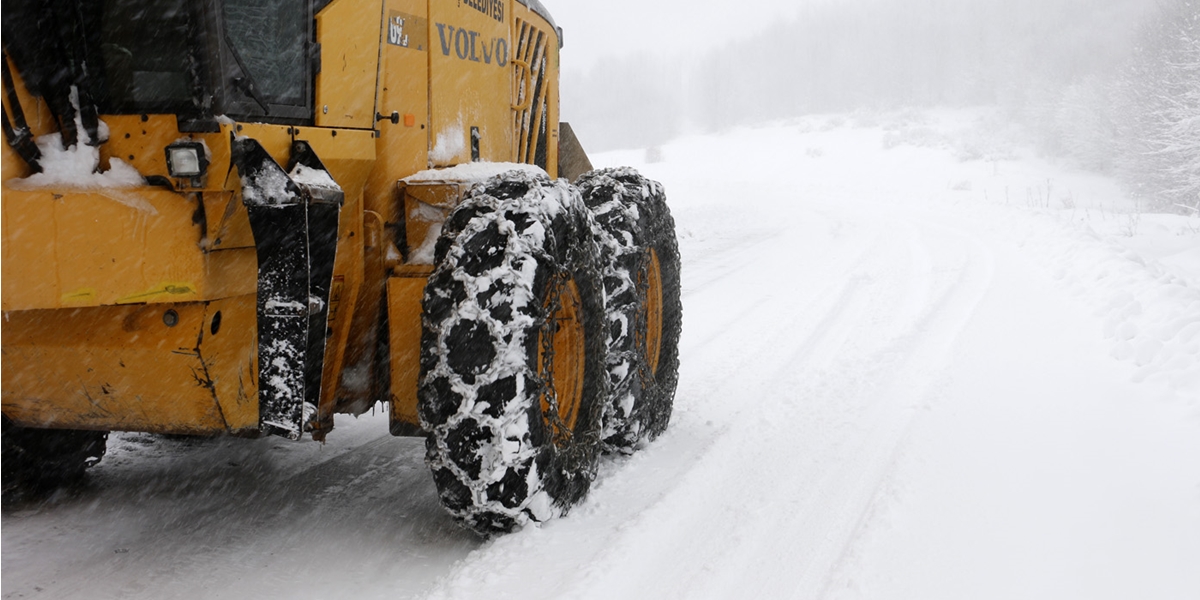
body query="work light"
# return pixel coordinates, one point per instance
(186, 160)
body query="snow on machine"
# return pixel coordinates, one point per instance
(244, 217)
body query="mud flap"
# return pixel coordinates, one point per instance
(295, 227)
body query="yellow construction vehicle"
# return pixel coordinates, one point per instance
(246, 216)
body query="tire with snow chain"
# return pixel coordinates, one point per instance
(513, 379)
(644, 310)
(43, 458)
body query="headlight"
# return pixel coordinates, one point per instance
(186, 159)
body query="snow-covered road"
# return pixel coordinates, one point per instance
(903, 376)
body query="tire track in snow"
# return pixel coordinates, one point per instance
(730, 261)
(598, 528)
(827, 505)
(232, 507)
(838, 499)
(778, 308)
(930, 347)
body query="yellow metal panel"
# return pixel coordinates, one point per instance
(404, 326)
(348, 154)
(28, 255)
(110, 247)
(348, 31)
(231, 273)
(403, 146)
(359, 378)
(227, 224)
(142, 141)
(552, 110)
(427, 203)
(442, 194)
(128, 368)
(470, 80)
(232, 356)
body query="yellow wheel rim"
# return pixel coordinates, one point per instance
(654, 312)
(565, 345)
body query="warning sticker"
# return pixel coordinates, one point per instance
(407, 31)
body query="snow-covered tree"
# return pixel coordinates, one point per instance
(1161, 110)
(1182, 136)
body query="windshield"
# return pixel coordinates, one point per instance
(248, 59)
(243, 58)
(269, 38)
(146, 61)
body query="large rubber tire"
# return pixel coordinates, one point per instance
(45, 458)
(513, 310)
(645, 314)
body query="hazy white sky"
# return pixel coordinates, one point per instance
(598, 28)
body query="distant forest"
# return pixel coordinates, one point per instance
(1112, 84)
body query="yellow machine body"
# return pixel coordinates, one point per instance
(133, 308)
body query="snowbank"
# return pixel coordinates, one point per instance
(1150, 315)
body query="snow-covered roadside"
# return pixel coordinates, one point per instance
(1144, 288)
(897, 381)
(1045, 469)
(1139, 271)
(1038, 470)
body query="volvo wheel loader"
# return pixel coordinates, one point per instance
(245, 217)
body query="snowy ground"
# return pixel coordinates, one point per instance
(917, 362)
